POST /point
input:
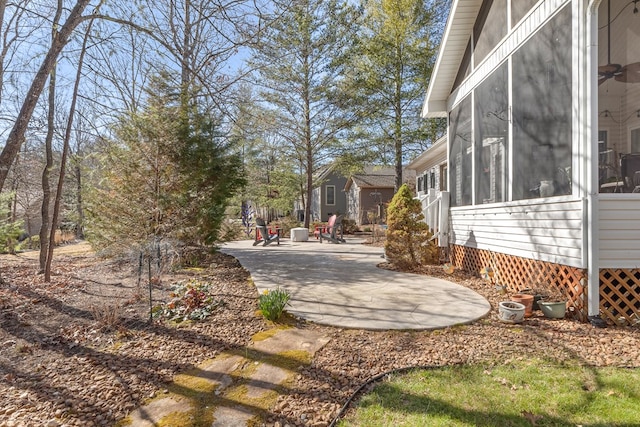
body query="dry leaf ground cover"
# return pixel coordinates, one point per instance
(81, 351)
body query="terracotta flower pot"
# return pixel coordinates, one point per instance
(527, 301)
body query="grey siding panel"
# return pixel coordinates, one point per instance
(619, 230)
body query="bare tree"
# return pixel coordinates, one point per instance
(16, 135)
(65, 152)
(48, 143)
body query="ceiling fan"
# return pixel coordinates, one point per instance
(629, 73)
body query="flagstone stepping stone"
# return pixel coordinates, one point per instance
(264, 379)
(219, 372)
(292, 339)
(150, 415)
(231, 417)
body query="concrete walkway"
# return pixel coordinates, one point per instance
(340, 285)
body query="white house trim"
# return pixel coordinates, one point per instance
(519, 35)
(454, 42)
(590, 138)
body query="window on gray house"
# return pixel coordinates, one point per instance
(331, 195)
(542, 112)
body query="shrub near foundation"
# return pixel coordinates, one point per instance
(407, 239)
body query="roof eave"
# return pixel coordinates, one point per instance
(437, 148)
(454, 42)
(434, 109)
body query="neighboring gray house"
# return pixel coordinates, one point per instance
(328, 196)
(368, 192)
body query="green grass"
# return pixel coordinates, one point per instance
(520, 393)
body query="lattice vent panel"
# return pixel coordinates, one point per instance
(518, 273)
(620, 295)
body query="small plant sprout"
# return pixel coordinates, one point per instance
(272, 303)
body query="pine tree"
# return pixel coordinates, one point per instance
(386, 71)
(407, 239)
(292, 59)
(169, 173)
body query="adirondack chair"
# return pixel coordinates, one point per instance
(262, 234)
(333, 230)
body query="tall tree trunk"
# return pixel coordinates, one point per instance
(65, 153)
(397, 132)
(79, 201)
(48, 143)
(186, 59)
(46, 187)
(16, 135)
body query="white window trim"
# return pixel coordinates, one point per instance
(326, 195)
(633, 125)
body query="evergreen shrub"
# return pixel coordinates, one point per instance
(407, 242)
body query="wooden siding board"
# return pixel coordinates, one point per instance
(538, 234)
(624, 245)
(619, 259)
(550, 231)
(629, 225)
(526, 244)
(616, 235)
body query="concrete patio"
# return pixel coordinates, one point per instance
(341, 285)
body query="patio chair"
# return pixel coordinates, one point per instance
(262, 234)
(636, 182)
(333, 230)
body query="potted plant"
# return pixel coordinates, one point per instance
(511, 312)
(538, 292)
(526, 300)
(554, 305)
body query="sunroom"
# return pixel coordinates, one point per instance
(543, 105)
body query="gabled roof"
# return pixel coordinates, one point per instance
(374, 181)
(459, 27)
(323, 171)
(378, 177)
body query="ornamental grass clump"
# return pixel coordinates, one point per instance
(408, 237)
(272, 303)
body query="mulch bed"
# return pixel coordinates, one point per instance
(81, 351)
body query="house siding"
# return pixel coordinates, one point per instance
(320, 211)
(585, 243)
(551, 232)
(618, 232)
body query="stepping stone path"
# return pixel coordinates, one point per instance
(231, 389)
